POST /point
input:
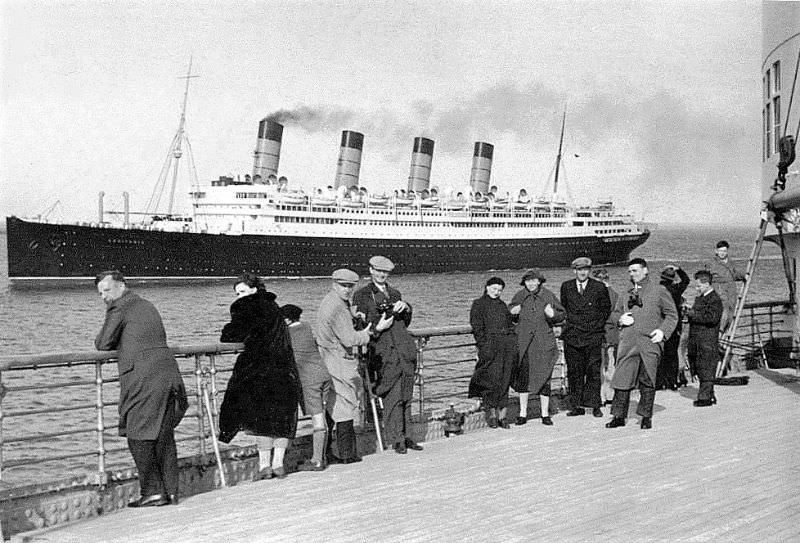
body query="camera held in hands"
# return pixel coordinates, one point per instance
(634, 301)
(386, 308)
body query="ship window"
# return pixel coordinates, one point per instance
(776, 77)
(768, 130)
(776, 122)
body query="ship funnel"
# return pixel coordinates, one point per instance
(481, 167)
(349, 163)
(268, 149)
(421, 157)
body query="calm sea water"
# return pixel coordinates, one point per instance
(45, 319)
(42, 319)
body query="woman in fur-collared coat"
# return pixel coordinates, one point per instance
(264, 390)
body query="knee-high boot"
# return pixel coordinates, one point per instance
(346, 441)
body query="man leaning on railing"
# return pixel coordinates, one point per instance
(152, 396)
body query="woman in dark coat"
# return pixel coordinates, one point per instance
(667, 374)
(264, 390)
(493, 329)
(538, 311)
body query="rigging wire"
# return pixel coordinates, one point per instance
(791, 96)
(158, 189)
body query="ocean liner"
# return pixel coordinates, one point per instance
(260, 224)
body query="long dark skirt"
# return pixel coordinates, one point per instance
(492, 376)
(667, 374)
(262, 404)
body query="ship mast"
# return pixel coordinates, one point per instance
(176, 151)
(558, 158)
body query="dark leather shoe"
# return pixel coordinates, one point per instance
(351, 460)
(279, 473)
(264, 474)
(156, 500)
(520, 421)
(310, 465)
(578, 411)
(400, 447)
(713, 399)
(173, 499)
(616, 422)
(703, 403)
(413, 445)
(503, 423)
(547, 421)
(597, 412)
(493, 422)
(333, 459)
(646, 423)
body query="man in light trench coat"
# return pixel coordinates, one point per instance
(647, 317)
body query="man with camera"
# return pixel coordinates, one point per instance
(392, 352)
(646, 317)
(336, 339)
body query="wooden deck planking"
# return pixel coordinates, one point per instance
(725, 473)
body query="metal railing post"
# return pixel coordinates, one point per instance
(421, 342)
(212, 360)
(2, 395)
(201, 427)
(101, 447)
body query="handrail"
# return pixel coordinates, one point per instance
(445, 360)
(88, 357)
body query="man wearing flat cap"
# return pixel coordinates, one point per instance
(588, 306)
(392, 351)
(336, 338)
(724, 274)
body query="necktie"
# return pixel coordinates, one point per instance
(580, 288)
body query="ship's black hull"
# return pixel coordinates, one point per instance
(53, 251)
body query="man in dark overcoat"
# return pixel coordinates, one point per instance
(152, 397)
(647, 317)
(588, 305)
(391, 352)
(704, 319)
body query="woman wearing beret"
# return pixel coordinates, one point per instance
(493, 328)
(538, 311)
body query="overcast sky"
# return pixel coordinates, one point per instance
(662, 98)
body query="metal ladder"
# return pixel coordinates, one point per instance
(728, 337)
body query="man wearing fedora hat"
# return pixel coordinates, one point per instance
(588, 306)
(392, 352)
(336, 338)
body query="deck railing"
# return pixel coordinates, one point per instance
(51, 403)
